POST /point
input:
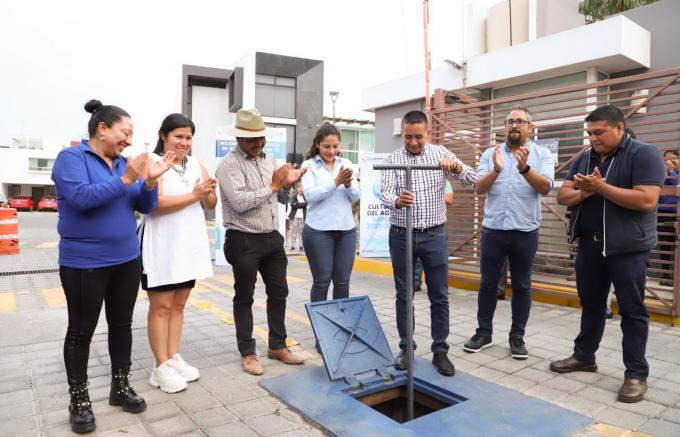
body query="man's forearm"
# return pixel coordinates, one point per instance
(483, 184)
(537, 181)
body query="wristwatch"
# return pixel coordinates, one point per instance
(149, 187)
(497, 170)
(526, 169)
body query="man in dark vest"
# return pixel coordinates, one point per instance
(613, 188)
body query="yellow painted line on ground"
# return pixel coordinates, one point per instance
(302, 318)
(213, 308)
(614, 431)
(47, 245)
(470, 281)
(263, 334)
(54, 297)
(8, 302)
(225, 279)
(293, 279)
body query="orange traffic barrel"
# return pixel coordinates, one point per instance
(9, 231)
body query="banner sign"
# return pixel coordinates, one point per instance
(551, 144)
(374, 217)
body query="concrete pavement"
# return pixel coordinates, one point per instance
(227, 402)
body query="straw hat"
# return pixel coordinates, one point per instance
(249, 124)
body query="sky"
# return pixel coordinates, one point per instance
(53, 53)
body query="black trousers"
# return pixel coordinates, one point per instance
(86, 290)
(249, 254)
(594, 276)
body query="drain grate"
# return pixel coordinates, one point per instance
(30, 272)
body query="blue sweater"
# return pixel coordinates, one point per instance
(97, 223)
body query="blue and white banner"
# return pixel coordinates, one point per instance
(374, 217)
(552, 144)
(224, 143)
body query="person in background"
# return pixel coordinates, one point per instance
(249, 188)
(98, 191)
(175, 250)
(667, 212)
(418, 269)
(297, 216)
(329, 234)
(428, 234)
(613, 188)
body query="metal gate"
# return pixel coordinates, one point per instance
(651, 103)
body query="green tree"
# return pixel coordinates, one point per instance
(596, 10)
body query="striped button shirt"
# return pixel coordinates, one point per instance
(428, 186)
(248, 204)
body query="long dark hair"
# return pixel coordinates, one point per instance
(170, 123)
(107, 114)
(325, 130)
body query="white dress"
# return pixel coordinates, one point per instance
(175, 245)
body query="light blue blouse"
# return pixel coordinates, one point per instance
(329, 207)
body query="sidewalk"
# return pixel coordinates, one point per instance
(227, 402)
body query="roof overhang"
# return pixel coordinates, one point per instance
(612, 45)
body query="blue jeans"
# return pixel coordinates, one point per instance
(331, 257)
(430, 247)
(418, 274)
(594, 276)
(520, 249)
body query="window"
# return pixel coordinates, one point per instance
(356, 141)
(31, 143)
(275, 96)
(40, 164)
(348, 145)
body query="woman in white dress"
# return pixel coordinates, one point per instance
(175, 250)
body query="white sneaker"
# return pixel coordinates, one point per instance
(189, 373)
(167, 379)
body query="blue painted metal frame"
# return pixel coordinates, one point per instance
(490, 410)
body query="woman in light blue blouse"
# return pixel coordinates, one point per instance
(329, 235)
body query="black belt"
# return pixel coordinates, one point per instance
(420, 230)
(594, 236)
(256, 235)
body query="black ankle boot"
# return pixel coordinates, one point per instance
(122, 395)
(80, 409)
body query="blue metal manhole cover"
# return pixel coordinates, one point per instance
(350, 336)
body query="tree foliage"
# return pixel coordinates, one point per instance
(596, 10)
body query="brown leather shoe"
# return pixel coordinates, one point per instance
(285, 355)
(571, 364)
(251, 364)
(632, 390)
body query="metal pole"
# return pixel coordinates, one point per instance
(409, 303)
(409, 278)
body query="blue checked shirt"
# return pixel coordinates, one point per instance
(428, 186)
(511, 203)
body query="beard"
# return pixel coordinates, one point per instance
(514, 138)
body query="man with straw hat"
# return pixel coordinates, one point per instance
(249, 182)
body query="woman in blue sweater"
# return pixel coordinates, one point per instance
(99, 258)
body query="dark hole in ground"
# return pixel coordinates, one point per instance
(392, 403)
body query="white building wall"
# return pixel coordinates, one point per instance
(14, 169)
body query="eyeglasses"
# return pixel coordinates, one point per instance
(520, 123)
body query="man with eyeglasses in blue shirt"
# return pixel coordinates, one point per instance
(513, 175)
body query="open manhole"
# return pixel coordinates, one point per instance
(392, 402)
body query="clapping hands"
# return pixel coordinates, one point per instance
(141, 167)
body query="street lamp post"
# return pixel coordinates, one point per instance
(334, 98)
